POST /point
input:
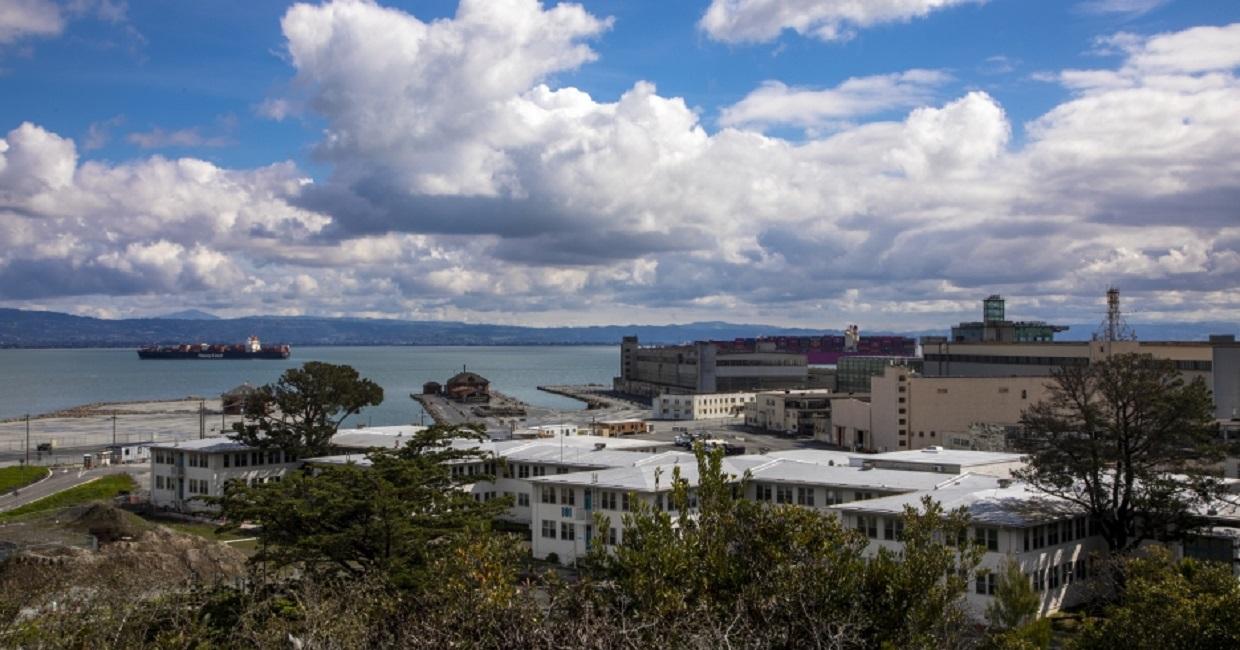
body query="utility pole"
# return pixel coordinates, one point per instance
(113, 428)
(27, 438)
(202, 420)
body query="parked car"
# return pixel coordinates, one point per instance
(683, 440)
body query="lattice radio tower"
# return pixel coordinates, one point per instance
(1114, 327)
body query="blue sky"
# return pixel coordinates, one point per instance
(475, 210)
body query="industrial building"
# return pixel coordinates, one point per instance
(853, 373)
(794, 412)
(994, 327)
(703, 368)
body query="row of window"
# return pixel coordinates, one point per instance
(568, 531)
(256, 458)
(1059, 532)
(1053, 576)
(805, 496)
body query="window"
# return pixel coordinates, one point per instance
(548, 494)
(1052, 575)
(988, 537)
(1052, 534)
(862, 496)
(539, 470)
(239, 460)
(548, 529)
(568, 496)
(893, 529)
(834, 497)
(1039, 580)
(986, 583)
(1080, 527)
(523, 471)
(523, 499)
(159, 482)
(624, 502)
(567, 531)
(227, 457)
(1067, 572)
(867, 526)
(783, 494)
(1080, 569)
(805, 496)
(273, 457)
(762, 491)
(256, 458)
(611, 535)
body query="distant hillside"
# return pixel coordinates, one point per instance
(34, 329)
(190, 314)
(19, 328)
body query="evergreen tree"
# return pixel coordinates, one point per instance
(1128, 441)
(301, 411)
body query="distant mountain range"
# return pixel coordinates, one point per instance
(42, 329)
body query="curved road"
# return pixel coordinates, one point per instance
(65, 479)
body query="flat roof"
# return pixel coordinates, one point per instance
(366, 438)
(217, 444)
(820, 456)
(645, 477)
(802, 473)
(938, 456)
(1015, 505)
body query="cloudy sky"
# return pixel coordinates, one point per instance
(807, 162)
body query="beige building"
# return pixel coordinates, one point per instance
(804, 412)
(1216, 361)
(911, 411)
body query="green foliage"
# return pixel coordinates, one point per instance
(302, 411)
(1125, 438)
(102, 489)
(389, 516)
(1170, 605)
(1013, 614)
(19, 476)
(795, 574)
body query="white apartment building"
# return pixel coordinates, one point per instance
(563, 508)
(183, 472)
(706, 406)
(513, 464)
(1050, 539)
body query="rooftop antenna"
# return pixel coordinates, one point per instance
(1114, 327)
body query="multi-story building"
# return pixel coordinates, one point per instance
(911, 411)
(707, 406)
(1051, 540)
(995, 327)
(853, 374)
(703, 368)
(184, 472)
(1216, 361)
(795, 412)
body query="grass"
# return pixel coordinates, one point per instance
(206, 531)
(19, 476)
(102, 489)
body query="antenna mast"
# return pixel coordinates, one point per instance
(1114, 327)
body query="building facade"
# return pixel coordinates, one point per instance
(853, 374)
(708, 406)
(703, 368)
(911, 411)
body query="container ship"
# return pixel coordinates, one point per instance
(252, 349)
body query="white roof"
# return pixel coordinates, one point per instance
(217, 444)
(386, 437)
(1016, 505)
(802, 473)
(646, 477)
(939, 456)
(820, 456)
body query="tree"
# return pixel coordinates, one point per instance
(1013, 614)
(1171, 605)
(781, 576)
(302, 410)
(1127, 440)
(389, 515)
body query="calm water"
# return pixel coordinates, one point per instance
(38, 381)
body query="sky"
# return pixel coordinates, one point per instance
(807, 162)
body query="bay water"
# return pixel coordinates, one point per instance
(39, 381)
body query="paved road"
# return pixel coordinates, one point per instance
(63, 480)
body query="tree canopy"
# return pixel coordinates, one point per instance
(302, 410)
(1129, 441)
(385, 515)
